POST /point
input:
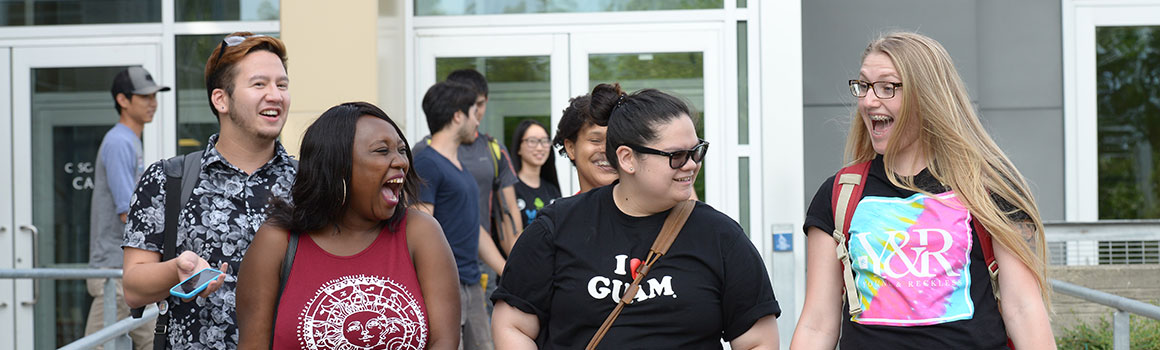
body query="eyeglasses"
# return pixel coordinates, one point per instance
(679, 158)
(231, 41)
(882, 89)
(537, 142)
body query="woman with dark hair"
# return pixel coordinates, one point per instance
(367, 270)
(570, 267)
(536, 168)
(581, 139)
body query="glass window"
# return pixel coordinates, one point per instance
(742, 83)
(518, 88)
(195, 120)
(1128, 119)
(492, 7)
(226, 10)
(71, 112)
(681, 74)
(743, 191)
(49, 12)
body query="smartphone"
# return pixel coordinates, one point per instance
(195, 284)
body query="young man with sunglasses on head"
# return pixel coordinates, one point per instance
(241, 168)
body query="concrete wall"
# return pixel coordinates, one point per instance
(1008, 53)
(1139, 282)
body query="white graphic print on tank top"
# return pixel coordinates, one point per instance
(362, 312)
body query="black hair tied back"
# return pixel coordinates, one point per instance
(606, 98)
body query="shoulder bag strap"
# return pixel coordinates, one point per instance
(988, 254)
(847, 192)
(174, 188)
(669, 231)
(287, 263)
(992, 264)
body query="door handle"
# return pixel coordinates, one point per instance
(35, 244)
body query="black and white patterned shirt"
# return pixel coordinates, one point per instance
(218, 223)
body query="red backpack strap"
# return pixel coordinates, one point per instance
(988, 254)
(992, 264)
(848, 185)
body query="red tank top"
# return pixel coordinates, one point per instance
(370, 300)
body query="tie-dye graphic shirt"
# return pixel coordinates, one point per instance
(921, 277)
(912, 259)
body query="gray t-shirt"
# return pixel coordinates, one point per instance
(116, 170)
(477, 158)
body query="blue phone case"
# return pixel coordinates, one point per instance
(176, 290)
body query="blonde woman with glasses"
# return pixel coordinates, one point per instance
(935, 189)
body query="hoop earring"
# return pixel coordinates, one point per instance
(343, 193)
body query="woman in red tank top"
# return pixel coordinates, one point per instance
(368, 272)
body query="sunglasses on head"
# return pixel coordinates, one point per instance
(233, 40)
(677, 159)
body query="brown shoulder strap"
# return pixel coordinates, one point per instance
(672, 226)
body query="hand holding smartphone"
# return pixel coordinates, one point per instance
(193, 285)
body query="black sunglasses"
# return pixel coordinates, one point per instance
(679, 158)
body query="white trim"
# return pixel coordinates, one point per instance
(565, 19)
(224, 27)
(1081, 18)
(135, 29)
(626, 29)
(1071, 166)
(782, 153)
(8, 229)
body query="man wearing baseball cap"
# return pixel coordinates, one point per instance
(116, 170)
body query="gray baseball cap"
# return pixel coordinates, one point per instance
(137, 81)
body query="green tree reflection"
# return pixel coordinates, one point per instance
(1128, 114)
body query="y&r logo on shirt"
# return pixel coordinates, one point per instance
(601, 287)
(911, 258)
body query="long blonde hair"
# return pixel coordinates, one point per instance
(958, 151)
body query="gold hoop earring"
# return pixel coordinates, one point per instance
(343, 193)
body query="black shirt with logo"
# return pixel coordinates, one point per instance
(573, 263)
(921, 275)
(531, 200)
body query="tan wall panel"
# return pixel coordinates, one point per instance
(333, 58)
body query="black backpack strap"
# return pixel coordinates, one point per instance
(287, 263)
(190, 175)
(181, 176)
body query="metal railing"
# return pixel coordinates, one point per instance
(1121, 328)
(115, 333)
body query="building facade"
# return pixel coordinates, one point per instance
(766, 78)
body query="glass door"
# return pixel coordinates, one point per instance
(526, 76)
(61, 111)
(685, 61)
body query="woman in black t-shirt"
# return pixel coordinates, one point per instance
(918, 271)
(572, 265)
(536, 167)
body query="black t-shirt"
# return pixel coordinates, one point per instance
(918, 267)
(532, 200)
(573, 263)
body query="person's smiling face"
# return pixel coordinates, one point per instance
(587, 153)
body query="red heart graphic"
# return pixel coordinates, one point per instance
(633, 264)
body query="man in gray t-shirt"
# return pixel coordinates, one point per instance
(116, 170)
